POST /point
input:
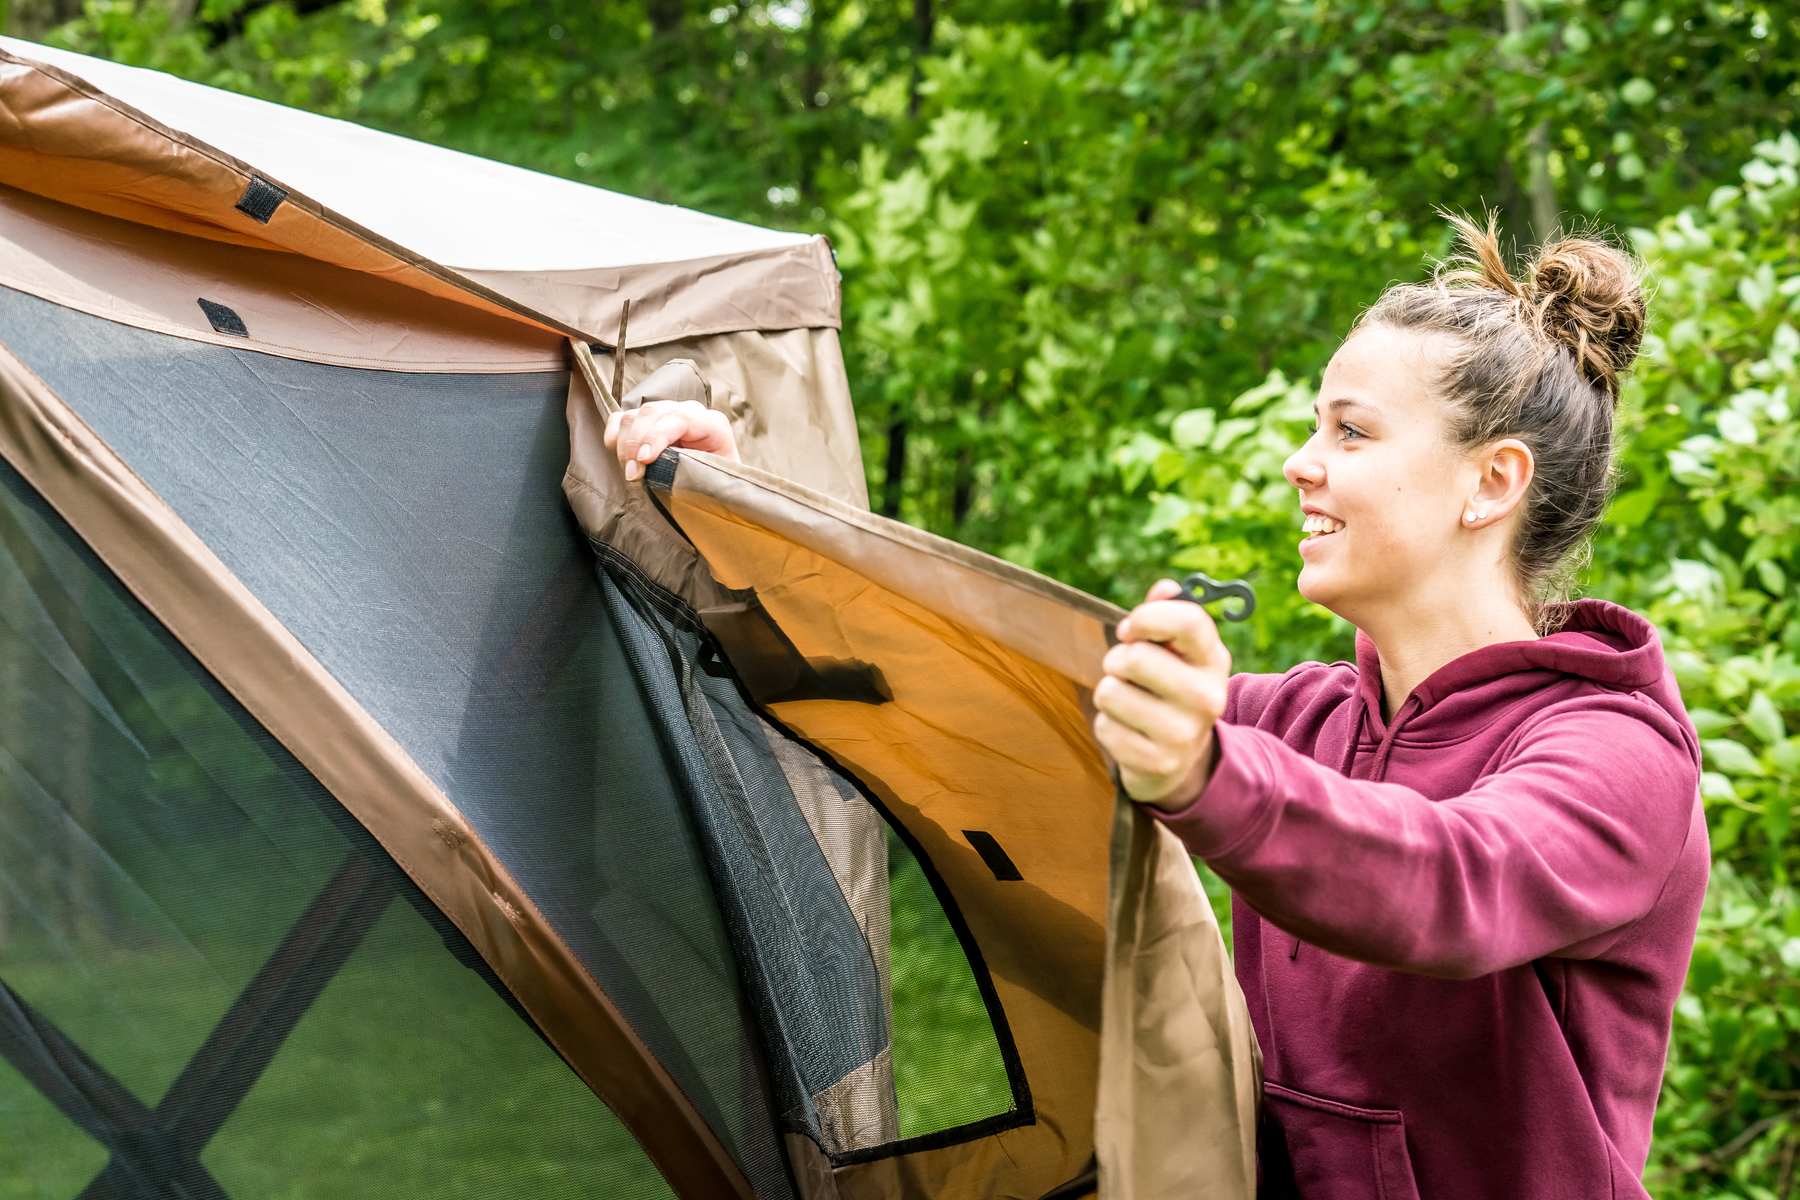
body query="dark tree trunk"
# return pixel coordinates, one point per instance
(895, 483)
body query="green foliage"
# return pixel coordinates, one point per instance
(1093, 249)
(1704, 538)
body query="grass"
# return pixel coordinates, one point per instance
(947, 1065)
(407, 1078)
(410, 1078)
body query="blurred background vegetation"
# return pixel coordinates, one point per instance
(1096, 251)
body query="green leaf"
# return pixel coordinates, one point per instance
(1631, 508)
(1708, 722)
(1763, 720)
(1192, 430)
(1733, 758)
(1705, 970)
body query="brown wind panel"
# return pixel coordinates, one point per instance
(63, 138)
(983, 753)
(1131, 1030)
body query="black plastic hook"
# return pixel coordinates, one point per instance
(1204, 589)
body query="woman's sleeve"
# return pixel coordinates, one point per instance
(1567, 842)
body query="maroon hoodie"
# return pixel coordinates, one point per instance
(1461, 932)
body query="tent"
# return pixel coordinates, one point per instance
(394, 801)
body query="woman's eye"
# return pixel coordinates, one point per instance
(1313, 428)
(1350, 431)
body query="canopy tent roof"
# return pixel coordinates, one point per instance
(555, 248)
(504, 218)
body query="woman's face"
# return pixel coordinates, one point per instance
(1382, 490)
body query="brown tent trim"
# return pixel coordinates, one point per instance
(173, 573)
(788, 287)
(62, 137)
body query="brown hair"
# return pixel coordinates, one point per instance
(1538, 359)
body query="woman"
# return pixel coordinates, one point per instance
(1467, 868)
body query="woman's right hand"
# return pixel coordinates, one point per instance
(1164, 690)
(638, 435)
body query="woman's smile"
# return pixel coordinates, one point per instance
(1318, 525)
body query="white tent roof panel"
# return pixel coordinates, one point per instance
(456, 209)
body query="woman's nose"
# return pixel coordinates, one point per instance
(1303, 468)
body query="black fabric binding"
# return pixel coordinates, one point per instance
(661, 473)
(223, 319)
(991, 854)
(260, 199)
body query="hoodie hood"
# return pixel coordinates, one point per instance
(1598, 641)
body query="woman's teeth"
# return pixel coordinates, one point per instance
(1319, 526)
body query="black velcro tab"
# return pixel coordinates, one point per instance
(261, 199)
(993, 855)
(223, 319)
(661, 473)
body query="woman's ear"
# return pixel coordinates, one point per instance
(1506, 468)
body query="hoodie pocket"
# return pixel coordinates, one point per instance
(1340, 1152)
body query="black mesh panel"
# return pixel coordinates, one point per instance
(213, 983)
(411, 531)
(861, 1081)
(810, 972)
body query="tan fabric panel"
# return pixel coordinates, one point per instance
(63, 138)
(977, 737)
(1050, 623)
(1180, 1070)
(185, 585)
(294, 307)
(794, 287)
(989, 668)
(785, 393)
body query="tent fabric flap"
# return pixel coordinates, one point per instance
(1180, 1068)
(980, 748)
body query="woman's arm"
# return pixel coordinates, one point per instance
(1567, 842)
(1560, 845)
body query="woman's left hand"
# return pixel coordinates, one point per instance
(1164, 690)
(638, 435)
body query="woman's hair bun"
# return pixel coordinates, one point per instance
(1587, 295)
(1578, 292)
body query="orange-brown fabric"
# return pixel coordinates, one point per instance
(794, 287)
(187, 588)
(978, 736)
(294, 307)
(62, 138)
(989, 668)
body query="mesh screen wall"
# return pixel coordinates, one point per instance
(212, 981)
(410, 530)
